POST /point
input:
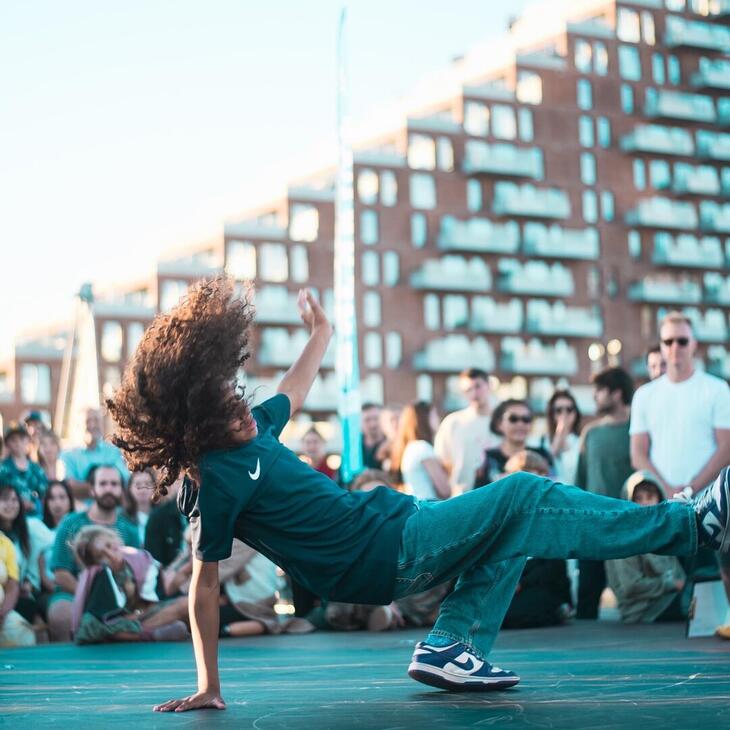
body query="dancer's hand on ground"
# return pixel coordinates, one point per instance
(312, 314)
(197, 701)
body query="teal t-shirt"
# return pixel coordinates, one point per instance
(342, 545)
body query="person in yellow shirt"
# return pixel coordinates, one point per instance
(14, 629)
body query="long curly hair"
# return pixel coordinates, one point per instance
(178, 397)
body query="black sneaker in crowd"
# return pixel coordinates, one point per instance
(713, 513)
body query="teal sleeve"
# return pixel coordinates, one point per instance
(62, 558)
(274, 412)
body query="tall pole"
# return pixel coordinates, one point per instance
(346, 364)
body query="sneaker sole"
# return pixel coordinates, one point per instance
(435, 677)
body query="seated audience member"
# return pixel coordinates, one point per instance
(96, 451)
(35, 425)
(107, 492)
(164, 537)
(49, 456)
(369, 479)
(512, 420)
(139, 500)
(372, 436)
(542, 597)
(563, 436)
(57, 503)
(116, 597)
(20, 472)
(14, 629)
(315, 453)
(29, 537)
(648, 587)
(413, 459)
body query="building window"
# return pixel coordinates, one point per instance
(388, 188)
(391, 268)
(674, 71)
(657, 68)
(587, 168)
(431, 312)
(273, 262)
(647, 28)
(585, 131)
(370, 268)
(660, 174)
(419, 230)
(473, 196)
(590, 206)
(504, 125)
(627, 26)
(424, 388)
(421, 152)
(423, 191)
(639, 174)
(135, 330)
(629, 63)
(445, 154)
(303, 222)
(600, 58)
(604, 131)
(35, 384)
(634, 242)
(527, 131)
(367, 186)
(676, 6)
(371, 309)
(456, 311)
(373, 354)
(529, 87)
(241, 260)
(476, 118)
(583, 56)
(299, 263)
(584, 94)
(111, 341)
(593, 282)
(171, 291)
(369, 227)
(607, 207)
(393, 349)
(627, 99)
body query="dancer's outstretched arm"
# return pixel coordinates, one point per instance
(300, 376)
(204, 594)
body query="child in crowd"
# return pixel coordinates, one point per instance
(648, 587)
(180, 408)
(116, 598)
(14, 629)
(19, 471)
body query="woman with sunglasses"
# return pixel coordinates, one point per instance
(562, 439)
(512, 420)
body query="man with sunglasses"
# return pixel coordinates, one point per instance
(680, 422)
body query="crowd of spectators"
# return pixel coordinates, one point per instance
(85, 555)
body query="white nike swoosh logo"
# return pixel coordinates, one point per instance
(255, 474)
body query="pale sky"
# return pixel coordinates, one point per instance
(131, 128)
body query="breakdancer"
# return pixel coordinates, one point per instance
(179, 409)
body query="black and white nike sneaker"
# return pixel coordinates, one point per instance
(713, 513)
(455, 667)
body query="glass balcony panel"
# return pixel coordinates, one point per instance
(545, 318)
(699, 179)
(554, 240)
(680, 105)
(453, 353)
(502, 159)
(535, 357)
(687, 250)
(666, 289)
(535, 277)
(718, 361)
(655, 138)
(712, 73)
(713, 145)
(453, 273)
(717, 288)
(714, 216)
(710, 326)
(276, 305)
(490, 316)
(696, 34)
(478, 234)
(658, 212)
(527, 200)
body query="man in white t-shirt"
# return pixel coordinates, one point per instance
(680, 422)
(464, 435)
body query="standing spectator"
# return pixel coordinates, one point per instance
(49, 456)
(604, 464)
(512, 420)
(96, 451)
(315, 453)
(164, 537)
(563, 421)
(463, 436)
(35, 426)
(14, 629)
(20, 472)
(656, 366)
(139, 500)
(372, 436)
(107, 492)
(680, 422)
(389, 417)
(413, 460)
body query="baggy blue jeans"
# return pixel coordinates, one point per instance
(485, 536)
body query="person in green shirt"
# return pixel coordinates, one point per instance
(179, 409)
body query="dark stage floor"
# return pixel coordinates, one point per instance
(587, 675)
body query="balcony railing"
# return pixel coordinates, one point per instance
(453, 353)
(276, 305)
(717, 288)
(679, 105)
(534, 357)
(478, 234)
(490, 316)
(502, 159)
(279, 348)
(453, 273)
(535, 277)
(718, 361)
(655, 138)
(658, 212)
(555, 240)
(712, 73)
(527, 200)
(687, 250)
(714, 216)
(544, 318)
(696, 34)
(698, 180)
(708, 327)
(713, 145)
(723, 111)
(664, 289)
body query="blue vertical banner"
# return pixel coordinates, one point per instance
(346, 363)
